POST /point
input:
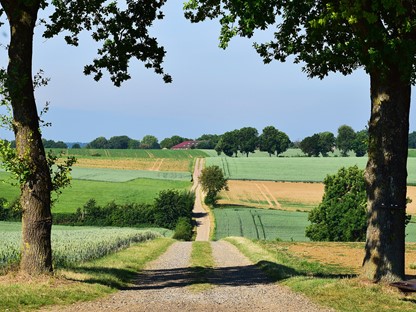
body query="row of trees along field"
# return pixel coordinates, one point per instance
(346, 140)
(124, 142)
(246, 140)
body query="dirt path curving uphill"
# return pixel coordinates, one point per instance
(199, 213)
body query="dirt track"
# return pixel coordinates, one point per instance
(237, 285)
(199, 213)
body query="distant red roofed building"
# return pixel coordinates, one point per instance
(185, 145)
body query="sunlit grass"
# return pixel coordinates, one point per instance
(85, 282)
(328, 285)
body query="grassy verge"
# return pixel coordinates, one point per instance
(202, 263)
(328, 285)
(85, 282)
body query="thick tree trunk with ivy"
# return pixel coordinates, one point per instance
(36, 181)
(386, 176)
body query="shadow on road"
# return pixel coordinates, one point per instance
(227, 276)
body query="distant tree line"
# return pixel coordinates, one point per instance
(247, 140)
(325, 142)
(46, 144)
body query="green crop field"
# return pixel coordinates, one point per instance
(270, 224)
(131, 153)
(260, 224)
(296, 169)
(80, 191)
(73, 245)
(120, 175)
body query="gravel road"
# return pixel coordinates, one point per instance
(238, 286)
(199, 213)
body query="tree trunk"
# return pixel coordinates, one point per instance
(36, 184)
(386, 176)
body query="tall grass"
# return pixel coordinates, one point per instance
(75, 245)
(84, 282)
(328, 285)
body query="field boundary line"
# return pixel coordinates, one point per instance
(264, 195)
(271, 195)
(160, 164)
(150, 154)
(154, 164)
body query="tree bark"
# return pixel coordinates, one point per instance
(386, 176)
(35, 198)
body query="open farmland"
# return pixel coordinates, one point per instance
(292, 196)
(131, 153)
(274, 195)
(115, 175)
(72, 245)
(340, 254)
(148, 164)
(260, 223)
(134, 159)
(294, 169)
(80, 191)
(268, 224)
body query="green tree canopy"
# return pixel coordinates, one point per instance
(53, 144)
(360, 144)
(326, 142)
(208, 141)
(228, 143)
(341, 36)
(412, 139)
(99, 143)
(119, 142)
(248, 138)
(150, 142)
(345, 139)
(273, 141)
(172, 141)
(212, 181)
(341, 216)
(310, 145)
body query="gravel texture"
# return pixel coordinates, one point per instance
(237, 286)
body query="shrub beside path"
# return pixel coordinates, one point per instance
(237, 285)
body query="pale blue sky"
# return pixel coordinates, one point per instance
(213, 90)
